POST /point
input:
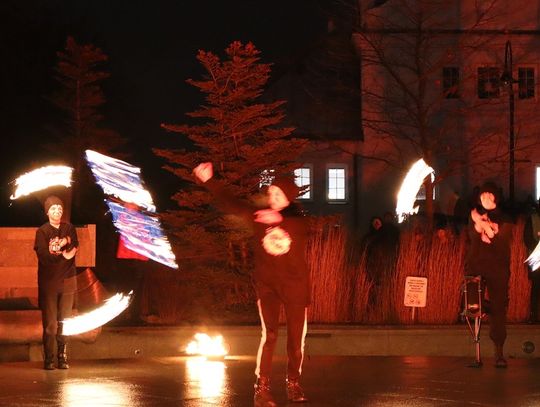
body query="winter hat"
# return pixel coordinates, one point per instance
(50, 201)
(288, 186)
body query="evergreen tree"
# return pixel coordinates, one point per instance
(80, 98)
(241, 136)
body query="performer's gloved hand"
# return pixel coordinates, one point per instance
(204, 171)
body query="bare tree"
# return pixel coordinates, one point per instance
(431, 88)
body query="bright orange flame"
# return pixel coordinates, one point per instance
(42, 178)
(204, 345)
(409, 189)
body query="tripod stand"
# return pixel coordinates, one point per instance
(473, 298)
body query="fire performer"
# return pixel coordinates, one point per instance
(55, 245)
(281, 276)
(490, 234)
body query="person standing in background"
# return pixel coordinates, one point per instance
(531, 237)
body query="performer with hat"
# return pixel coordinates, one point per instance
(490, 235)
(55, 245)
(281, 276)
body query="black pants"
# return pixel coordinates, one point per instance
(497, 291)
(55, 307)
(269, 308)
(535, 291)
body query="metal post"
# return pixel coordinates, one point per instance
(508, 79)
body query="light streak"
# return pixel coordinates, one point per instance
(141, 230)
(120, 179)
(205, 345)
(42, 178)
(98, 317)
(409, 189)
(142, 233)
(534, 259)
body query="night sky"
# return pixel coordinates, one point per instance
(151, 47)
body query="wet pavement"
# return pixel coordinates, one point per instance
(328, 381)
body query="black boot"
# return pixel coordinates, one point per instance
(48, 363)
(263, 396)
(295, 393)
(62, 356)
(500, 361)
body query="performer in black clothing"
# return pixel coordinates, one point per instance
(490, 234)
(55, 245)
(281, 277)
(531, 237)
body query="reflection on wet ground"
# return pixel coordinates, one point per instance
(328, 381)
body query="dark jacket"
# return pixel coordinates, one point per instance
(286, 274)
(54, 270)
(490, 258)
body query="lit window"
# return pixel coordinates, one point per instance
(488, 82)
(266, 178)
(526, 83)
(302, 178)
(451, 82)
(336, 184)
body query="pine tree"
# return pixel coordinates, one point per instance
(241, 136)
(80, 98)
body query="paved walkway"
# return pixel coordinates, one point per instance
(328, 381)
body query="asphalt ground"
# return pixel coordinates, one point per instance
(327, 380)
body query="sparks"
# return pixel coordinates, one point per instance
(98, 317)
(534, 259)
(42, 178)
(409, 189)
(204, 345)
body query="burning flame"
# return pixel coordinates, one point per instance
(534, 259)
(204, 345)
(98, 317)
(42, 178)
(409, 189)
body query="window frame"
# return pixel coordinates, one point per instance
(308, 167)
(451, 83)
(496, 93)
(526, 67)
(337, 166)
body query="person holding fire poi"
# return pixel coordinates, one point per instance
(490, 234)
(281, 276)
(55, 244)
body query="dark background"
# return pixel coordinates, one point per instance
(152, 47)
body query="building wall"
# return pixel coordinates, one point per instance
(472, 132)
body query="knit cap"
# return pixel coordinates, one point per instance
(50, 201)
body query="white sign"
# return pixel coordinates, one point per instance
(415, 292)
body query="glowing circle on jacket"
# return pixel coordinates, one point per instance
(276, 241)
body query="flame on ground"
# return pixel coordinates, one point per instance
(42, 178)
(98, 317)
(409, 189)
(204, 345)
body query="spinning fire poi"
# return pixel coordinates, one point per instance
(141, 229)
(409, 189)
(42, 178)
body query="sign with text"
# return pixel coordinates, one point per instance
(415, 292)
